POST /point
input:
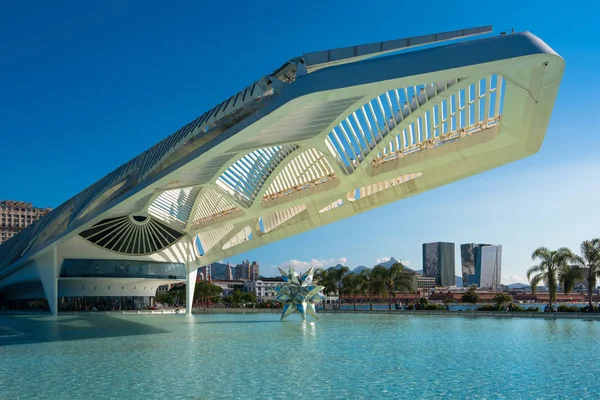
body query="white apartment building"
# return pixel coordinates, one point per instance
(262, 287)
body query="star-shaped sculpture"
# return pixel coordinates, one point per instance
(298, 293)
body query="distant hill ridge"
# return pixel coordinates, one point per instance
(392, 261)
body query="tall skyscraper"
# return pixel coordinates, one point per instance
(438, 263)
(246, 271)
(469, 254)
(481, 265)
(467, 261)
(228, 273)
(254, 271)
(16, 216)
(491, 267)
(204, 273)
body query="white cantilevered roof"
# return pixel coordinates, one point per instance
(327, 135)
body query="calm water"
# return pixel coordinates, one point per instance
(453, 307)
(257, 357)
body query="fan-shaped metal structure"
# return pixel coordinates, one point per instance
(325, 136)
(132, 234)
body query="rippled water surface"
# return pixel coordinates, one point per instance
(255, 356)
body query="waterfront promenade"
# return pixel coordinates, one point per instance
(422, 313)
(464, 314)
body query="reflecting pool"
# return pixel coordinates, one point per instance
(254, 356)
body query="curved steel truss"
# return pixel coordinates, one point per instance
(132, 234)
(404, 121)
(323, 137)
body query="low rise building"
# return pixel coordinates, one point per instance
(16, 216)
(162, 289)
(228, 286)
(262, 287)
(425, 282)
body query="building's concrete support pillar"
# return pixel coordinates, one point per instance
(47, 266)
(189, 288)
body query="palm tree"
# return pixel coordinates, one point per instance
(379, 275)
(331, 278)
(589, 262)
(471, 296)
(550, 262)
(326, 278)
(392, 279)
(352, 286)
(568, 276)
(338, 276)
(370, 285)
(501, 299)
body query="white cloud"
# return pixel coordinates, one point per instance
(301, 266)
(386, 259)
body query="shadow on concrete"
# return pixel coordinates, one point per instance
(27, 329)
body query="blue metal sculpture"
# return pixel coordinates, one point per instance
(298, 293)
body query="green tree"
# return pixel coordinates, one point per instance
(338, 276)
(448, 300)
(589, 262)
(392, 280)
(167, 298)
(379, 273)
(550, 262)
(501, 299)
(352, 286)
(207, 293)
(370, 285)
(326, 278)
(174, 297)
(471, 296)
(240, 299)
(568, 275)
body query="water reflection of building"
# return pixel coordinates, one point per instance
(438, 263)
(481, 265)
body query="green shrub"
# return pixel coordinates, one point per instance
(268, 304)
(563, 308)
(518, 308)
(488, 307)
(435, 307)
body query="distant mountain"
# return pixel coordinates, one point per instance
(338, 266)
(359, 269)
(388, 263)
(518, 286)
(217, 271)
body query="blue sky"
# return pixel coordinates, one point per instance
(86, 86)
